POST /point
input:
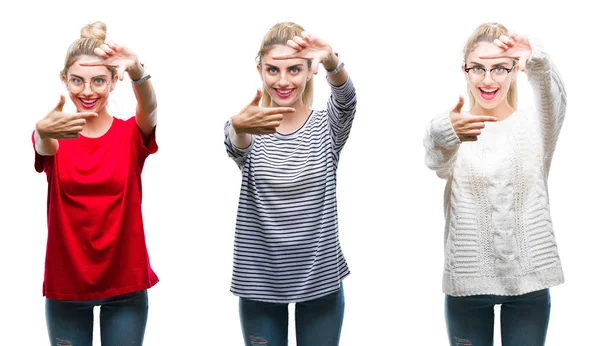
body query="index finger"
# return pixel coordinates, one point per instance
(97, 63)
(279, 110)
(481, 118)
(82, 115)
(498, 56)
(287, 56)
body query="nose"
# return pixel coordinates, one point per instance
(87, 89)
(283, 80)
(487, 77)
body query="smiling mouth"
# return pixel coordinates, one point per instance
(88, 103)
(488, 94)
(283, 93)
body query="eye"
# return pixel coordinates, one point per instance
(295, 70)
(478, 69)
(499, 70)
(271, 70)
(76, 80)
(99, 81)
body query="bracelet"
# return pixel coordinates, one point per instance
(338, 68)
(144, 78)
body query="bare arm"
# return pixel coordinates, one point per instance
(145, 114)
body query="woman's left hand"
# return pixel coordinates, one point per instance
(311, 48)
(119, 57)
(513, 46)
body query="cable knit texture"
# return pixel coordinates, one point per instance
(499, 237)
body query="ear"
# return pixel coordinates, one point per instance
(259, 69)
(462, 67)
(63, 78)
(309, 76)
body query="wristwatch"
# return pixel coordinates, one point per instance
(338, 68)
(144, 78)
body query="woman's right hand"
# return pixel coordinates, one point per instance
(256, 120)
(467, 126)
(60, 125)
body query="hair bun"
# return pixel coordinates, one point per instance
(95, 30)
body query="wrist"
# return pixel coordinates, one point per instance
(136, 72)
(332, 61)
(39, 132)
(235, 125)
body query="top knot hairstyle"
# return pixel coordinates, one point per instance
(92, 36)
(488, 32)
(279, 34)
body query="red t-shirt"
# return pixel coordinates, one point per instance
(96, 244)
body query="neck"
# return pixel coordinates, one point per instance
(97, 126)
(293, 121)
(500, 112)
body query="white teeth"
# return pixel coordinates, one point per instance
(284, 92)
(88, 102)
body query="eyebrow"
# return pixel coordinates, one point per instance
(102, 75)
(297, 65)
(502, 64)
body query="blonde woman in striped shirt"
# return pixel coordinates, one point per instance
(286, 244)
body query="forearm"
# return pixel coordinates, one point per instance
(341, 76)
(146, 101)
(45, 146)
(549, 95)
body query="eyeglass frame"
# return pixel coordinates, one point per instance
(485, 70)
(68, 83)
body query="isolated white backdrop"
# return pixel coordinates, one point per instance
(405, 63)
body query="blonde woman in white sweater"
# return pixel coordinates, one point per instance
(499, 240)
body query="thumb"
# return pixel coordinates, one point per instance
(459, 105)
(315, 66)
(121, 72)
(522, 63)
(60, 104)
(257, 98)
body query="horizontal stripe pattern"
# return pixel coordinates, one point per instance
(286, 245)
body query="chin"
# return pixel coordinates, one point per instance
(490, 104)
(487, 104)
(288, 102)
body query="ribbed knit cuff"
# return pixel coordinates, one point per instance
(538, 59)
(442, 132)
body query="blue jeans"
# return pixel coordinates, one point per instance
(318, 321)
(523, 319)
(122, 320)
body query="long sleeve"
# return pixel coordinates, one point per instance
(341, 108)
(550, 98)
(441, 146)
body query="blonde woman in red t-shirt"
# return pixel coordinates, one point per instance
(96, 253)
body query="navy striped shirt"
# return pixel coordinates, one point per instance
(286, 241)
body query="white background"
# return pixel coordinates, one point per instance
(405, 63)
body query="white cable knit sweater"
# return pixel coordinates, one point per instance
(499, 237)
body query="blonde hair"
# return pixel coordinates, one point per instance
(92, 36)
(488, 32)
(280, 33)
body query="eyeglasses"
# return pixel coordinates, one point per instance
(97, 84)
(477, 73)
